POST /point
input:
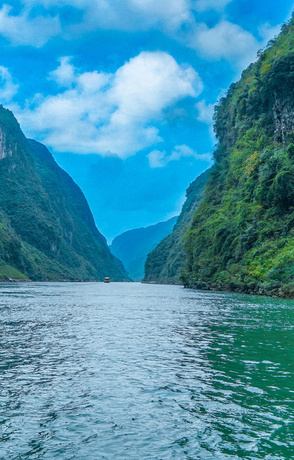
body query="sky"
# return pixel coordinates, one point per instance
(122, 91)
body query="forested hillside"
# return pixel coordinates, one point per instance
(242, 236)
(47, 231)
(167, 261)
(133, 246)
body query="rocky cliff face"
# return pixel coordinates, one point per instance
(6, 150)
(283, 117)
(242, 235)
(47, 231)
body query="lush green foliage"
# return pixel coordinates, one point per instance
(165, 263)
(47, 231)
(133, 246)
(242, 236)
(8, 273)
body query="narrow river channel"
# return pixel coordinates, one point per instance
(94, 371)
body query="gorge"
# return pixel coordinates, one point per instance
(47, 231)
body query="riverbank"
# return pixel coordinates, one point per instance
(280, 291)
(10, 274)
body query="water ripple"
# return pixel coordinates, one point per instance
(127, 371)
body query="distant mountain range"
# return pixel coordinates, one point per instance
(167, 261)
(132, 247)
(47, 231)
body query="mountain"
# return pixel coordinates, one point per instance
(167, 261)
(47, 231)
(242, 235)
(133, 246)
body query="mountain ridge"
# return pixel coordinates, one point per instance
(166, 262)
(242, 235)
(133, 245)
(47, 231)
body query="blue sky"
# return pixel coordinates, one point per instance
(122, 91)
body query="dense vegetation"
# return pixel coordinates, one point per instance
(47, 231)
(166, 262)
(242, 236)
(133, 246)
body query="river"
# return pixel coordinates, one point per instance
(94, 371)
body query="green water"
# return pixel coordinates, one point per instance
(128, 371)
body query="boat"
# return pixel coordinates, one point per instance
(106, 279)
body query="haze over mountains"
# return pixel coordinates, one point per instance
(132, 247)
(167, 261)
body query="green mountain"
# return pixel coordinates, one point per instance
(242, 236)
(133, 246)
(167, 261)
(47, 231)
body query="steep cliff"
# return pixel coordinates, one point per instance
(166, 262)
(242, 235)
(133, 246)
(47, 231)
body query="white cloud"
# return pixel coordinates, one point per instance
(225, 40)
(175, 18)
(38, 22)
(150, 82)
(130, 15)
(268, 32)
(158, 159)
(8, 88)
(26, 30)
(64, 74)
(181, 151)
(110, 114)
(205, 112)
(169, 15)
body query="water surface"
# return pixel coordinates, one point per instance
(128, 371)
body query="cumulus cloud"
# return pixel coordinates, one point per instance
(137, 14)
(38, 22)
(64, 75)
(8, 88)
(225, 41)
(24, 29)
(159, 159)
(110, 114)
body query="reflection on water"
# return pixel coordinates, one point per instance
(127, 371)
